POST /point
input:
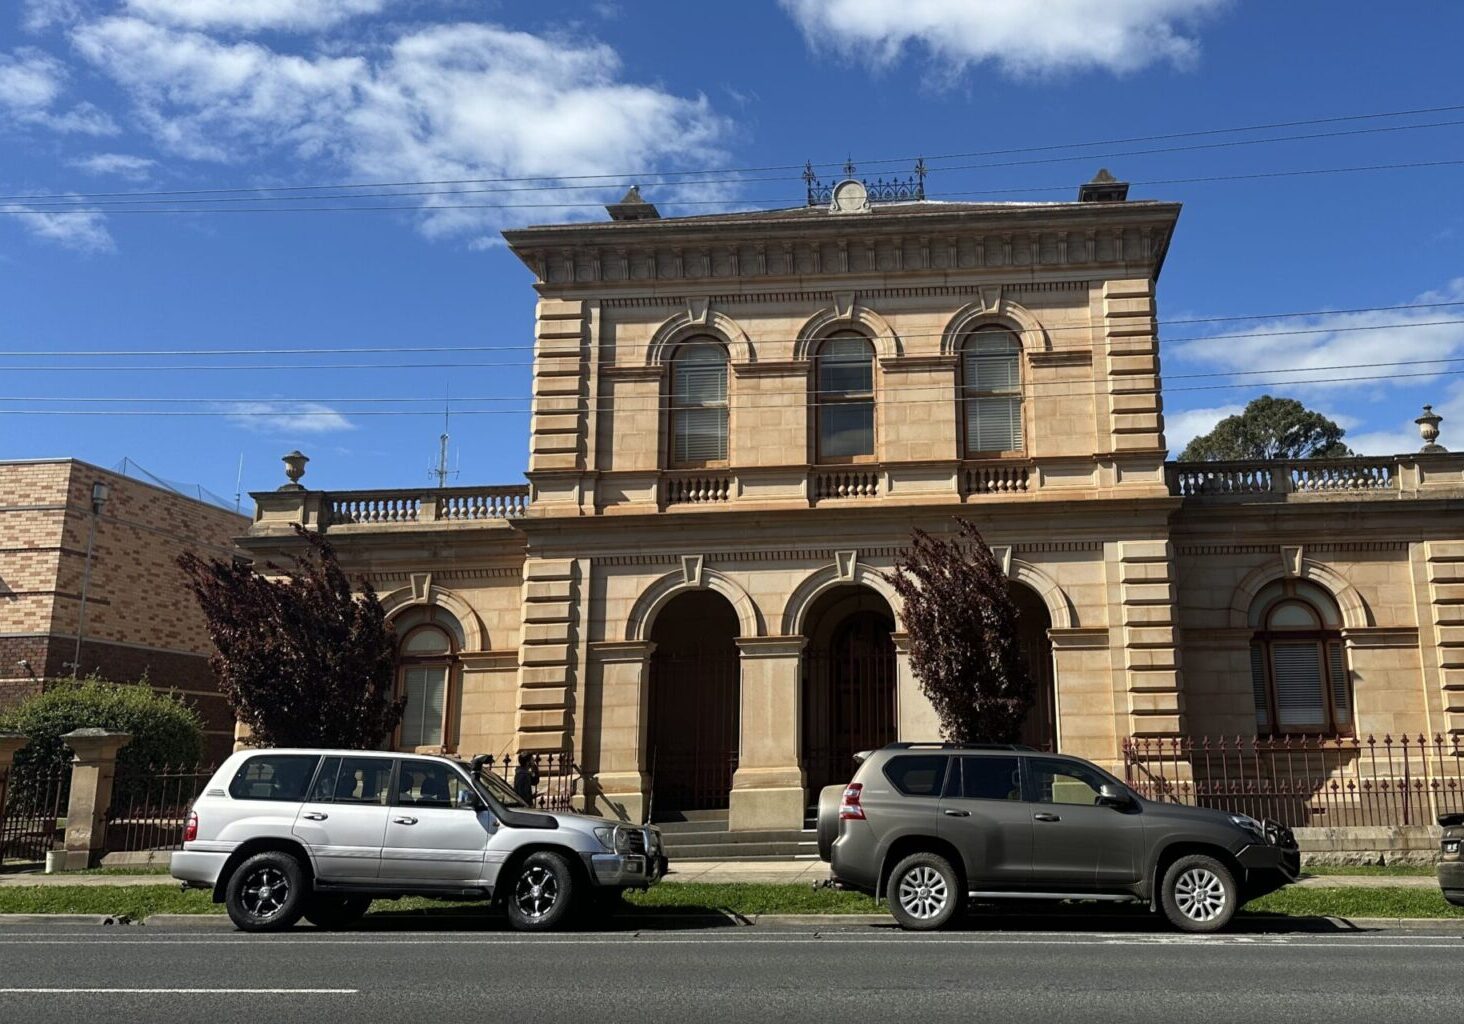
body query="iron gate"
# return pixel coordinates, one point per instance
(848, 699)
(692, 733)
(32, 798)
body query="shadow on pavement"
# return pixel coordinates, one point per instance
(484, 919)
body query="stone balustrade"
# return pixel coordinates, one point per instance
(1384, 475)
(845, 483)
(696, 488)
(996, 478)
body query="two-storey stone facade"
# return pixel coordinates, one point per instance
(737, 421)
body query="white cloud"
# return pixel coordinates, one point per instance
(39, 15)
(1021, 37)
(31, 83)
(254, 15)
(1401, 434)
(1184, 425)
(449, 101)
(1343, 352)
(288, 417)
(134, 168)
(82, 230)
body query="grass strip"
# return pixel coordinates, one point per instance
(1371, 870)
(745, 899)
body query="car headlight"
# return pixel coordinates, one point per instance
(606, 835)
(1250, 824)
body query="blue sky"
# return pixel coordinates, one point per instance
(124, 95)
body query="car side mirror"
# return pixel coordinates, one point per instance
(1110, 795)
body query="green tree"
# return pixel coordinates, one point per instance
(962, 627)
(301, 659)
(165, 729)
(1269, 428)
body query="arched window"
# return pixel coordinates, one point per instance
(991, 377)
(426, 661)
(699, 404)
(844, 402)
(1299, 676)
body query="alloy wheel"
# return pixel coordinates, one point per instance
(265, 892)
(1200, 895)
(536, 893)
(923, 892)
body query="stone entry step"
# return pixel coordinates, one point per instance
(705, 836)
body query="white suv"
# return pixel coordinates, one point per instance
(281, 834)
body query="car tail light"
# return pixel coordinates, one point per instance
(190, 830)
(849, 807)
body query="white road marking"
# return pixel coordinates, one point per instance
(182, 991)
(1424, 942)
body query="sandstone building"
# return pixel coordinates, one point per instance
(89, 584)
(737, 419)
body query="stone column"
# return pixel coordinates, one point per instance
(621, 785)
(915, 719)
(93, 768)
(768, 787)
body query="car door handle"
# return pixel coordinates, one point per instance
(315, 816)
(956, 814)
(405, 821)
(1045, 817)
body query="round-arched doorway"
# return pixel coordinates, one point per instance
(1039, 729)
(849, 681)
(692, 725)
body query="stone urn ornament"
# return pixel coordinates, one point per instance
(294, 470)
(1428, 429)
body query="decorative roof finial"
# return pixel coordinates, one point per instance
(294, 470)
(1428, 429)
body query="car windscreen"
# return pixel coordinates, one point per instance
(500, 791)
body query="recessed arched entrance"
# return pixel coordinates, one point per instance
(1039, 729)
(692, 735)
(848, 682)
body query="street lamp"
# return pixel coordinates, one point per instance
(100, 492)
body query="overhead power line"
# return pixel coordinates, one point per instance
(407, 350)
(760, 205)
(609, 179)
(268, 195)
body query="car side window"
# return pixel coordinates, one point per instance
(353, 780)
(274, 777)
(918, 774)
(1064, 782)
(428, 784)
(991, 778)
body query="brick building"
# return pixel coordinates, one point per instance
(138, 619)
(738, 418)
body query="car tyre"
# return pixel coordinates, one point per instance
(1199, 894)
(541, 894)
(333, 913)
(266, 893)
(925, 892)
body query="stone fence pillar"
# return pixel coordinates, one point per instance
(93, 769)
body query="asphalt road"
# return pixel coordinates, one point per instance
(159, 974)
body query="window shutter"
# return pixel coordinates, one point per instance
(701, 435)
(994, 424)
(700, 383)
(1258, 687)
(426, 692)
(1296, 668)
(992, 371)
(1341, 692)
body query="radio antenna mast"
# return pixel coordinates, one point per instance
(441, 471)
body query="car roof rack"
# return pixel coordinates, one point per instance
(932, 745)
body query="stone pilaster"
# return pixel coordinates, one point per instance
(560, 403)
(768, 787)
(621, 785)
(1132, 420)
(1148, 634)
(914, 715)
(547, 653)
(1444, 624)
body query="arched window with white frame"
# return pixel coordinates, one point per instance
(699, 404)
(1299, 677)
(844, 399)
(991, 392)
(426, 670)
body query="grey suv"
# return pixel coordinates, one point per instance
(281, 834)
(932, 826)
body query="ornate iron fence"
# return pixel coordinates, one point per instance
(548, 779)
(1305, 780)
(150, 807)
(32, 804)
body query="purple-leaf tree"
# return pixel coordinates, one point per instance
(962, 627)
(301, 659)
